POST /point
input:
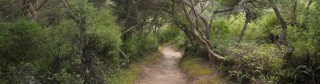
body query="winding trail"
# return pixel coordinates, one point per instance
(165, 71)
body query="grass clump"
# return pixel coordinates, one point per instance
(193, 68)
(131, 74)
(125, 76)
(197, 71)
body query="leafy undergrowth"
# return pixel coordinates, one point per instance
(130, 75)
(254, 63)
(199, 72)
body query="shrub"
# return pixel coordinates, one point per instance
(167, 33)
(222, 35)
(256, 63)
(20, 47)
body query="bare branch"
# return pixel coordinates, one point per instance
(41, 5)
(243, 29)
(126, 31)
(127, 60)
(14, 12)
(221, 11)
(31, 12)
(204, 39)
(128, 14)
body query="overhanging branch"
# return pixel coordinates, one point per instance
(129, 29)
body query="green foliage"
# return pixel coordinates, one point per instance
(51, 54)
(61, 53)
(256, 63)
(138, 44)
(105, 36)
(130, 75)
(259, 61)
(305, 39)
(303, 44)
(221, 35)
(167, 33)
(236, 23)
(220, 29)
(269, 23)
(196, 68)
(49, 49)
(181, 20)
(313, 23)
(19, 47)
(181, 39)
(150, 42)
(257, 30)
(125, 76)
(131, 46)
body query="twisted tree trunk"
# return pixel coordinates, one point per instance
(244, 28)
(283, 37)
(203, 37)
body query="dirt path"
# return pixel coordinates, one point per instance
(164, 72)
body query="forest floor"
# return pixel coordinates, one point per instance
(166, 71)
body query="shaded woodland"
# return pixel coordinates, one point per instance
(88, 41)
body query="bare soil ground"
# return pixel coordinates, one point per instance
(166, 71)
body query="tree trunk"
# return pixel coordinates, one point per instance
(196, 31)
(243, 30)
(309, 4)
(283, 37)
(294, 13)
(28, 9)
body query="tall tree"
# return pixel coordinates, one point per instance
(283, 36)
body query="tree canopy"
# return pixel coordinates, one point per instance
(87, 41)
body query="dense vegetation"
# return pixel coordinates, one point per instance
(90, 41)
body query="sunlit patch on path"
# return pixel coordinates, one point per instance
(164, 72)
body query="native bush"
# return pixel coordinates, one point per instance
(259, 63)
(220, 36)
(105, 37)
(167, 33)
(20, 46)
